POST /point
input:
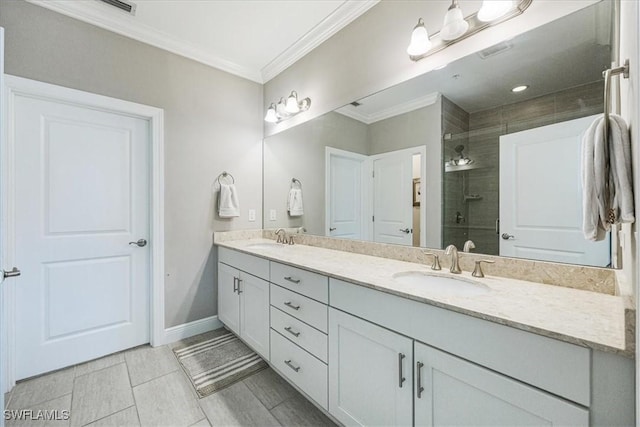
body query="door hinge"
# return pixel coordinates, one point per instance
(373, 174)
(373, 218)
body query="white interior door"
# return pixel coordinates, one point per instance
(82, 195)
(541, 196)
(393, 197)
(345, 216)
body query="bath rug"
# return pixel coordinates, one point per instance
(217, 360)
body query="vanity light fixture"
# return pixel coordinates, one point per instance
(456, 27)
(520, 88)
(420, 43)
(494, 9)
(286, 109)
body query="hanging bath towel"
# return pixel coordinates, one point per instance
(228, 205)
(294, 204)
(606, 177)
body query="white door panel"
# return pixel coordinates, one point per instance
(344, 197)
(393, 198)
(82, 194)
(541, 196)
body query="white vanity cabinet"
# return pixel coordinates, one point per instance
(370, 375)
(243, 298)
(453, 391)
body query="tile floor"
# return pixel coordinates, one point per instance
(146, 386)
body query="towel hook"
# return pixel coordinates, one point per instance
(294, 181)
(226, 174)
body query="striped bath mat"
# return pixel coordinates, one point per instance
(217, 360)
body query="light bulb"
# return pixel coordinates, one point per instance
(292, 106)
(454, 24)
(281, 111)
(271, 116)
(494, 9)
(420, 43)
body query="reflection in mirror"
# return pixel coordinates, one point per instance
(456, 154)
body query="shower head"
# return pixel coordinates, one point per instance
(459, 149)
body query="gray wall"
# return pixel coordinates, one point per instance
(213, 122)
(300, 152)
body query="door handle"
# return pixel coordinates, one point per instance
(235, 284)
(14, 272)
(419, 388)
(507, 236)
(140, 243)
(295, 307)
(401, 378)
(405, 230)
(332, 229)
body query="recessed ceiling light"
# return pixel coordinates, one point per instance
(519, 88)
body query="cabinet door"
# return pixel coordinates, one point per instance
(456, 392)
(370, 373)
(254, 313)
(228, 301)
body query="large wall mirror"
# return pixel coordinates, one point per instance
(485, 149)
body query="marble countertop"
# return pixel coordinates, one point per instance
(585, 318)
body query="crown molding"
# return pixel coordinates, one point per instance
(339, 18)
(396, 110)
(121, 23)
(100, 15)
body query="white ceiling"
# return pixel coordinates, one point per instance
(255, 39)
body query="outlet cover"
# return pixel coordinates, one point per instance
(252, 215)
(272, 215)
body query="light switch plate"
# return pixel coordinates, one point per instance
(272, 215)
(252, 215)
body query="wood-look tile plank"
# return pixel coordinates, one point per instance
(146, 363)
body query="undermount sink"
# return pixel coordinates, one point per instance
(265, 245)
(441, 284)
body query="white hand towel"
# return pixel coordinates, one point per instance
(294, 203)
(606, 177)
(228, 205)
(620, 150)
(590, 210)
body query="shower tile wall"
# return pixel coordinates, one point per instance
(482, 144)
(455, 121)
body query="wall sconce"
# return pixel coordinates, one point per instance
(456, 28)
(286, 109)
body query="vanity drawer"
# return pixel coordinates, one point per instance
(251, 264)
(300, 307)
(304, 282)
(301, 368)
(311, 339)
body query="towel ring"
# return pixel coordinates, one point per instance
(226, 174)
(294, 181)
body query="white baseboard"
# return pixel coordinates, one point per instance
(186, 330)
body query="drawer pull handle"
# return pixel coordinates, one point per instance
(419, 366)
(235, 284)
(291, 331)
(295, 307)
(401, 378)
(292, 280)
(239, 290)
(291, 365)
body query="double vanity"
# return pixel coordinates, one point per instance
(378, 341)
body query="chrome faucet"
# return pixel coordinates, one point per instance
(468, 245)
(282, 238)
(455, 266)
